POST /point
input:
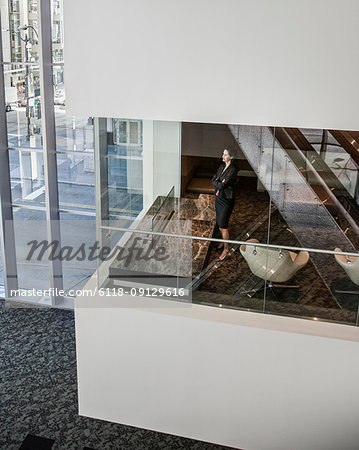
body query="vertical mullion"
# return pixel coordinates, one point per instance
(101, 174)
(7, 234)
(101, 187)
(49, 142)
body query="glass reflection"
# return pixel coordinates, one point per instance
(30, 225)
(27, 177)
(77, 230)
(57, 31)
(76, 181)
(23, 105)
(121, 168)
(73, 133)
(20, 37)
(17, 13)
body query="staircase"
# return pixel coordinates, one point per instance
(298, 203)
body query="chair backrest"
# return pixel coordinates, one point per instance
(272, 264)
(350, 265)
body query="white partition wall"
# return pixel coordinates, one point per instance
(259, 62)
(229, 377)
(161, 159)
(218, 375)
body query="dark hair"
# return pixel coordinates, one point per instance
(231, 151)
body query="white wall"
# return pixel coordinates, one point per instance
(161, 159)
(278, 62)
(204, 372)
(166, 157)
(222, 376)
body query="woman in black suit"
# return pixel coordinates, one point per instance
(224, 181)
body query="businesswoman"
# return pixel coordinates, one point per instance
(224, 181)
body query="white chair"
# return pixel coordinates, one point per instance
(350, 264)
(272, 265)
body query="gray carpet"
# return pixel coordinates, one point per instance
(39, 389)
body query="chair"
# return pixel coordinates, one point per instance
(272, 265)
(350, 264)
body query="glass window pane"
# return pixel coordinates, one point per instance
(121, 169)
(77, 230)
(120, 131)
(27, 177)
(125, 186)
(20, 45)
(73, 133)
(76, 181)
(30, 225)
(134, 132)
(23, 105)
(57, 31)
(334, 159)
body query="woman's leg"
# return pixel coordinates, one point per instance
(225, 235)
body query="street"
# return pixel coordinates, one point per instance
(72, 133)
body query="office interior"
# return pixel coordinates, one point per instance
(110, 177)
(296, 189)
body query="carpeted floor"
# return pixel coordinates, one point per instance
(39, 389)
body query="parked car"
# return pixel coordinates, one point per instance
(8, 107)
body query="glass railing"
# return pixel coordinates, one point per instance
(158, 218)
(162, 210)
(141, 258)
(259, 277)
(278, 280)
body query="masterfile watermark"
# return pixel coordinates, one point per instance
(135, 263)
(101, 292)
(96, 252)
(50, 292)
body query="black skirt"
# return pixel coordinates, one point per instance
(224, 208)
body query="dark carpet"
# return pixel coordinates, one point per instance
(39, 389)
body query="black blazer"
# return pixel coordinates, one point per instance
(226, 181)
